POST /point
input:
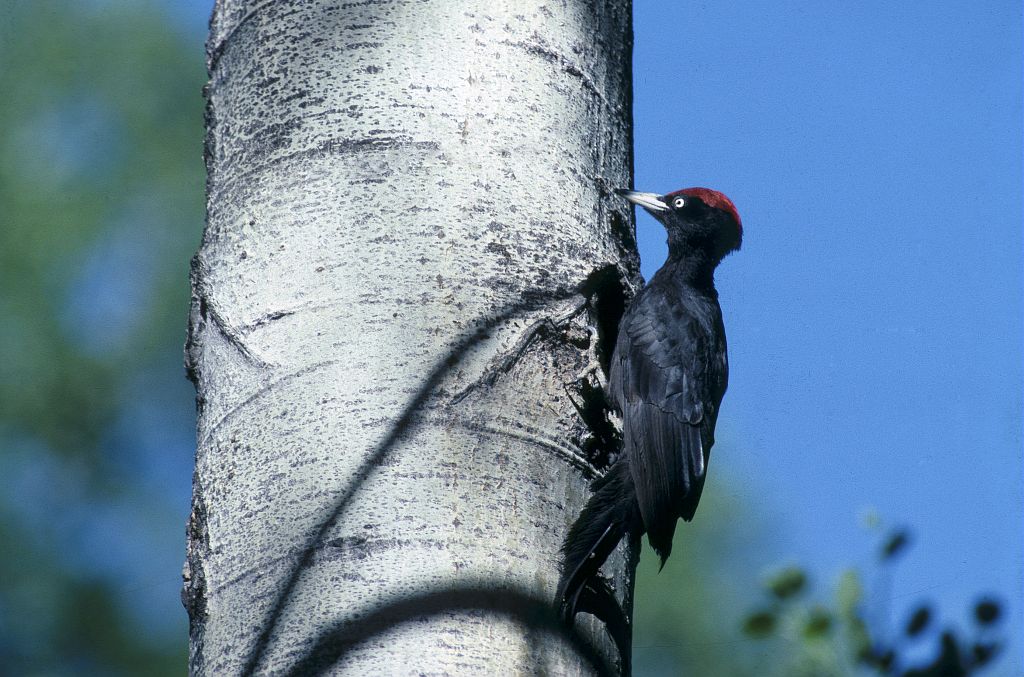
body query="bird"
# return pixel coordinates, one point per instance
(668, 374)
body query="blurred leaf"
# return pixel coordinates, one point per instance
(787, 583)
(880, 658)
(849, 593)
(860, 640)
(987, 611)
(885, 659)
(947, 664)
(919, 621)
(984, 652)
(897, 542)
(759, 625)
(819, 623)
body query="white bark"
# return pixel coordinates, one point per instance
(386, 179)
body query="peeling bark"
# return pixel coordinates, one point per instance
(400, 312)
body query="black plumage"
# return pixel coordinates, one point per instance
(668, 374)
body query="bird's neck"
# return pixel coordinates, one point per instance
(693, 268)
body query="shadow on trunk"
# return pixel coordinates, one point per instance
(521, 606)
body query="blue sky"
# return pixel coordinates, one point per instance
(874, 314)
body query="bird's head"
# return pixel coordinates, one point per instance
(698, 218)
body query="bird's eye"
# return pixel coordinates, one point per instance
(678, 203)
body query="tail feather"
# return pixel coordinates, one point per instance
(598, 598)
(610, 514)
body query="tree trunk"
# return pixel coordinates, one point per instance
(411, 265)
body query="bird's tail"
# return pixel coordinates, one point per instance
(611, 513)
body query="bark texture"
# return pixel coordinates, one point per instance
(410, 265)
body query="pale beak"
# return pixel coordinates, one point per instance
(649, 201)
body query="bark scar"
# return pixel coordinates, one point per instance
(208, 309)
(594, 287)
(267, 318)
(517, 429)
(503, 364)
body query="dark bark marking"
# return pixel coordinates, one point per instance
(561, 61)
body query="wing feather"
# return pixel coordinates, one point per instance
(668, 378)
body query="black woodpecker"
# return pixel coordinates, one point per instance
(668, 374)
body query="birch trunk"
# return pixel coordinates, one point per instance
(410, 263)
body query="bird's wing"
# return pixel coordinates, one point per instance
(667, 376)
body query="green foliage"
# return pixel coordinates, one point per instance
(760, 624)
(686, 617)
(101, 203)
(919, 621)
(787, 583)
(698, 618)
(895, 544)
(987, 611)
(839, 641)
(818, 623)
